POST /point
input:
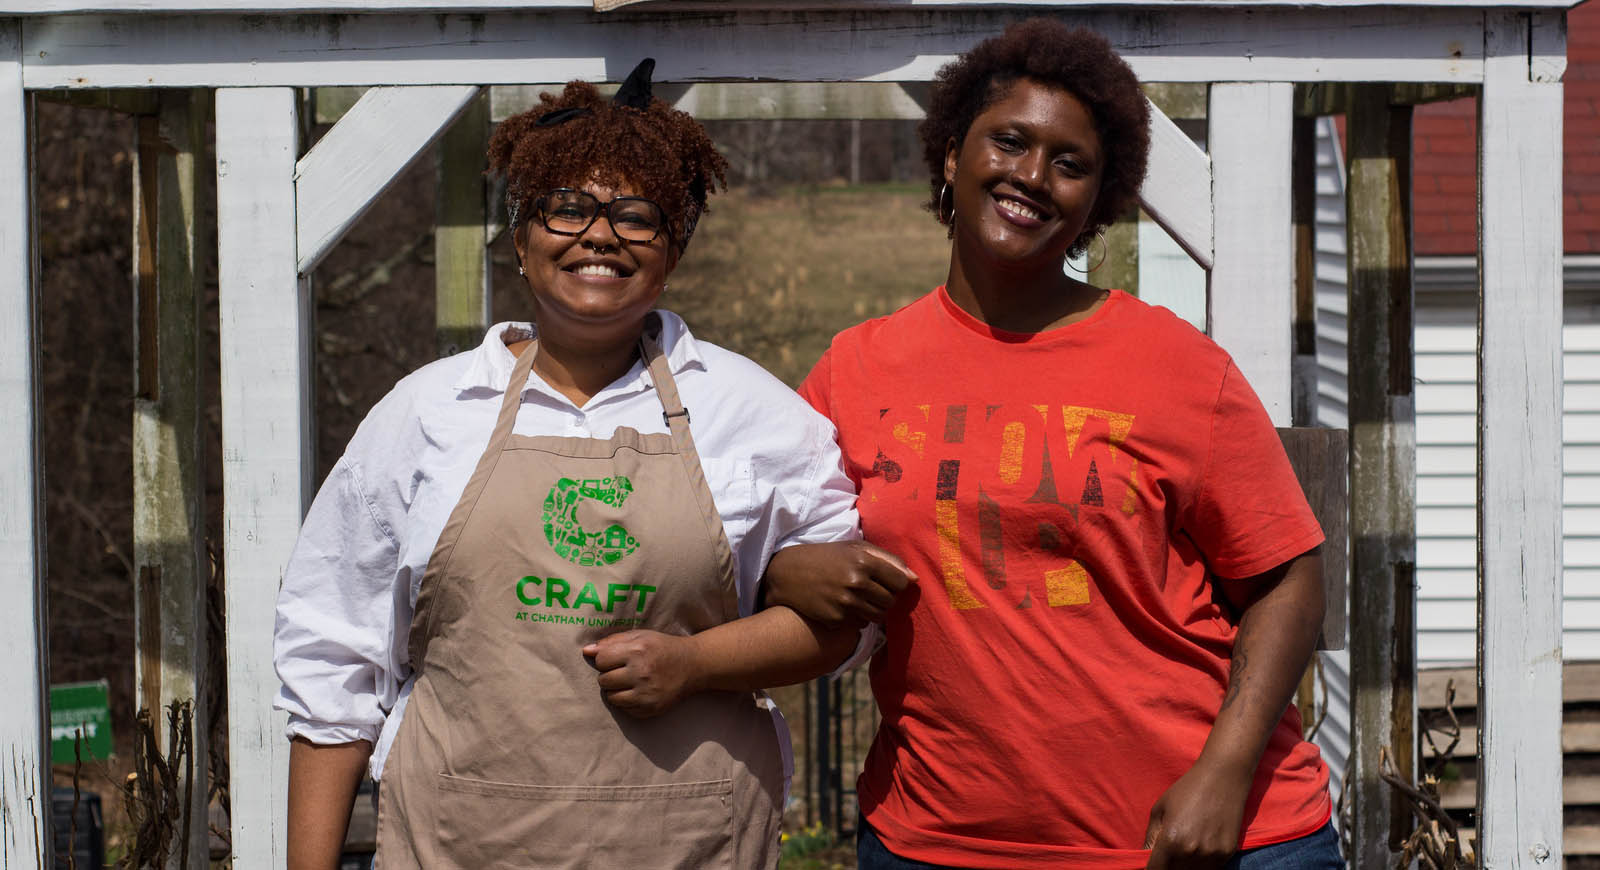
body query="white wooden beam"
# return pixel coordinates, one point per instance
(1177, 188)
(1251, 286)
(362, 155)
(893, 43)
(24, 787)
(1519, 450)
(40, 7)
(264, 312)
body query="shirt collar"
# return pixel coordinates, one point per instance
(491, 362)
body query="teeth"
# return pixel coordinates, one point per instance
(1018, 208)
(598, 269)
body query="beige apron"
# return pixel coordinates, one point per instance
(508, 756)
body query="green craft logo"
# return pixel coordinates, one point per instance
(585, 606)
(569, 538)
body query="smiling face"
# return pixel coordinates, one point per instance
(1026, 176)
(595, 286)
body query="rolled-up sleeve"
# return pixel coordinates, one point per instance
(333, 639)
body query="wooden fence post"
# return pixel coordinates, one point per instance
(1519, 441)
(1383, 451)
(24, 751)
(171, 572)
(460, 240)
(265, 316)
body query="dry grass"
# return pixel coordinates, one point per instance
(774, 277)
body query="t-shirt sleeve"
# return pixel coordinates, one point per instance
(814, 389)
(1249, 514)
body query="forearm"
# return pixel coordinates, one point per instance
(1277, 635)
(323, 780)
(775, 647)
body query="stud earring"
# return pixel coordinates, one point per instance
(521, 271)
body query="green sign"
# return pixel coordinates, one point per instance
(80, 708)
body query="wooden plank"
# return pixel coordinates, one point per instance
(1177, 188)
(461, 252)
(359, 158)
(1578, 839)
(1251, 282)
(1580, 684)
(1321, 460)
(1519, 452)
(893, 44)
(41, 7)
(24, 753)
(1576, 737)
(170, 599)
(264, 313)
(1382, 409)
(1462, 794)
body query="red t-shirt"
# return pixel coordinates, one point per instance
(1061, 660)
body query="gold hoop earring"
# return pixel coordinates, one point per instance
(1105, 251)
(940, 205)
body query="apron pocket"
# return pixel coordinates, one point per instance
(488, 824)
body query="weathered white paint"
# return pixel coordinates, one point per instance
(264, 310)
(1519, 455)
(24, 790)
(1252, 281)
(36, 7)
(895, 43)
(1177, 188)
(362, 155)
(172, 652)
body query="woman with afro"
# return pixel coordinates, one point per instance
(523, 596)
(1117, 576)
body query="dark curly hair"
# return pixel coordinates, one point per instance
(1046, 51)
(664, 154)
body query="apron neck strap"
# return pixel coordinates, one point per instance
(672, 409)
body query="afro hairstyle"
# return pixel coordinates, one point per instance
(1078, 61)
(662, 153)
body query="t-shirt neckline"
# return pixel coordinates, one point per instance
(978, 328)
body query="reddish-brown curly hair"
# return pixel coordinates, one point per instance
(1046, 51)
(662, 153)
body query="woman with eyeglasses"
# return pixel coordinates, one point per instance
(1118, 585)
(523, 595)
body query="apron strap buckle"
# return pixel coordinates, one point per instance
(666, 416)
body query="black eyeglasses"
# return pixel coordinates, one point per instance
(569, 212)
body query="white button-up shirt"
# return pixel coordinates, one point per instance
(344, 612)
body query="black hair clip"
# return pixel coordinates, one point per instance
(635, 90)
(561, 116)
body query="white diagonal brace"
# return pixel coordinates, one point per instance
(340, 178)
(1177, 188)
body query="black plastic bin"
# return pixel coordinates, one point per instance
(90, 847)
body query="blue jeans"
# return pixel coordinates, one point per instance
(1319, 851)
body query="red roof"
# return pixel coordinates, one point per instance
(1445, 201)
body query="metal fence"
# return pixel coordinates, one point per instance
(840, 719)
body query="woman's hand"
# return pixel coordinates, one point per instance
(847, 581)
(645, 673)
(1196, 823)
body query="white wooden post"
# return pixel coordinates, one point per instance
(170, 611)
(1250, 131)
(24, 787)
(266, 439)
(1519, 445)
